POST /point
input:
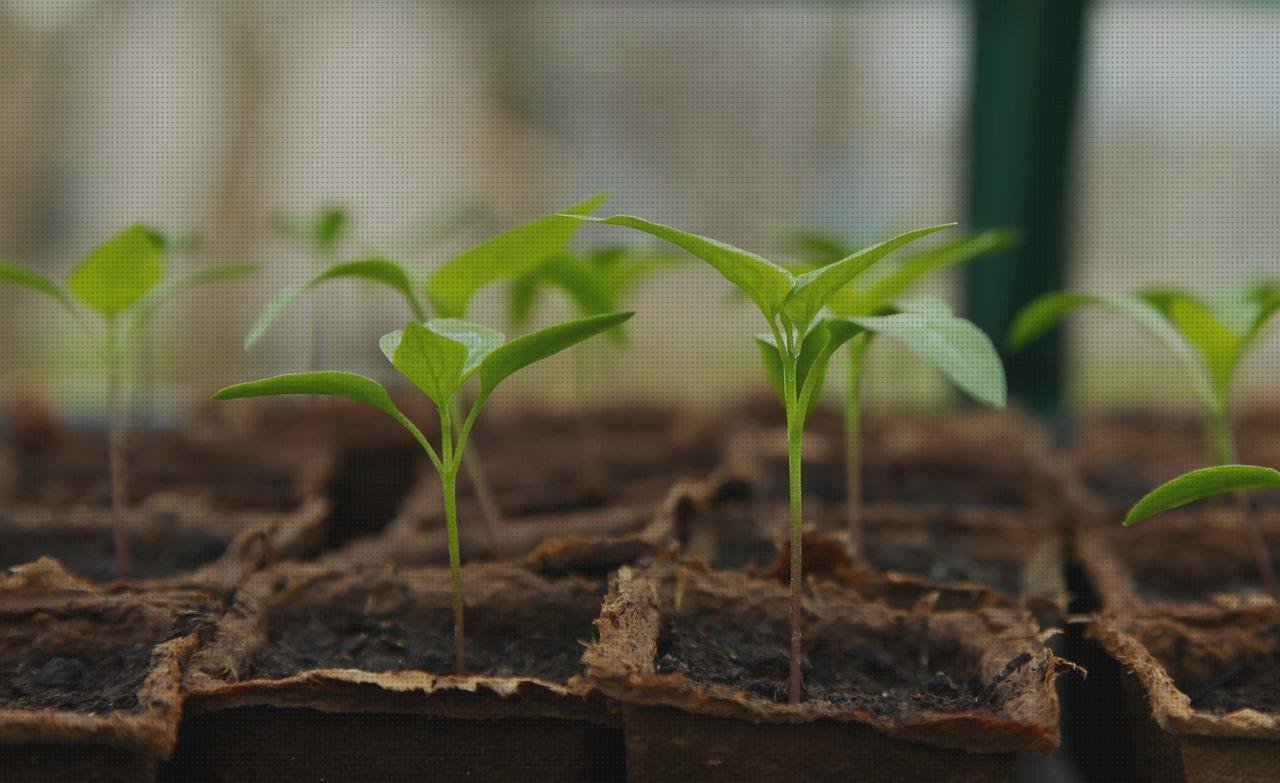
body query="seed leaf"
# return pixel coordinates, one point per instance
(20, 275)
(332, 384)
(856, 300)
(430, 360)
(958, 348)
(1199, 484)
(455, 283)
(535, 346)
(764, 281)
(814, 289)
(117, 273)
(379, 270)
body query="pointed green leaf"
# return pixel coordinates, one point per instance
(533, 347)
(819, 345)
(1038, 317)
(1219, 347)
(854, 300)
(1199, 484)
(772, 361)
(764, 281)
(20, 275)
(117, 273)
(329, 227)
(1266, 299)
(379, 270)
(813, 289)
(332, 384)
(958, 348)
(455, 283)
(431, 361)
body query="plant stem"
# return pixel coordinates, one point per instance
(116, 455)
(1224, 452)
(795, 444)
(853, 444)
(449, 484)
(489, 508)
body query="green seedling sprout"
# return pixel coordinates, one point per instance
(123, 281)
(449, 291)
(873, 294)
(595, 282)
(803, 336)
(1209, 337)
(323, 236)
(1207, 482)
(439, 357)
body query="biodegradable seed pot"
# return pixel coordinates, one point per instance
(698, 661)
(92, 679)
(1202, 691)
(347, 674)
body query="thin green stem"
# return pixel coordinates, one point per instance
(853, 443)
(1223, 450)
(116, 454)
(795, 443)
(448, 482)
(474, 466)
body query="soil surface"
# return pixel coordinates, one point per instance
(750, 654)
(104, 682)
(353, 640)
(1244, 683)
(90, 554)
(1181, 564)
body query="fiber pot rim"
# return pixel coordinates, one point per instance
(409, 691)
(150, 728)
(621, 665)
(1169, 705)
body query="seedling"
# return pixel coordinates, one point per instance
(123, 281)
(323, 236)
(871, 294)
(439, 357)
(450, 290)
(1209, 337)
(1207, 482)
(595, 282)
(803, 336)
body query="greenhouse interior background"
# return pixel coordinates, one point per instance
(438, 123)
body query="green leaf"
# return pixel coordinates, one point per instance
(117, 273)
(1036, 318)
(1219, 347)
(535, 346)
(1266, 298)
(332, 384)
(866, 300)
(815, 247)
(180, 283)
(329, 227)
(455, 283)
(819, 345)
(1199, 484)
(958, 348)
(771, 358)
(432, 361)
(380, 270)
(764, 281)
(20, 275)
(813, 289)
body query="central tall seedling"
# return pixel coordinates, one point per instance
(439, 357)
(803, 336)
(1210, 337)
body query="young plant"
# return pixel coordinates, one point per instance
(323, 237)
(438, 357)
(1209, 337)
(123, 281)
(450, 290)
(1207, 482)
(873, 294)
(803, 336)
(594, 282)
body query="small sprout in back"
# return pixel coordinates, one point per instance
(1209, 337)
(123, 281)
(439, 357)
(1208, 482)
(804, 334)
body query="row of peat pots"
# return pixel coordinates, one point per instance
(288, 613)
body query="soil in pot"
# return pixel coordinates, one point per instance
(376, 648)
(698, 660)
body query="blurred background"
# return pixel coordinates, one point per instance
(1131, 141)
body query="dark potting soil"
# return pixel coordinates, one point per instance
(1244, 683)
(945, 560)
(752, 656)
(1193, 565)
(90, 554)
(344, 639)
(106, 681)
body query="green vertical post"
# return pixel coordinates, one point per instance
(1027, 58)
